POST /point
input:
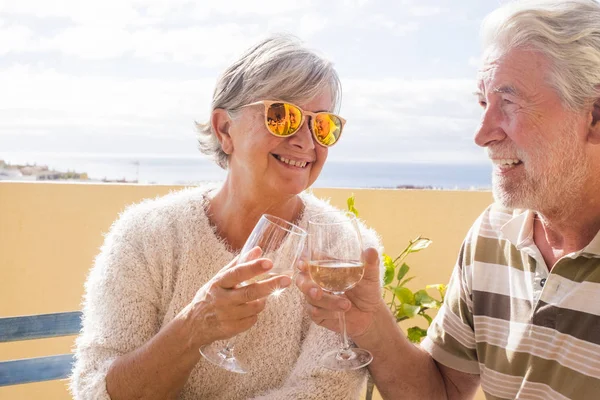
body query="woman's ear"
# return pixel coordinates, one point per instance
(221, 123)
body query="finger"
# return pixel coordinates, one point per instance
(244, 271)
(372, 265)
(260, 289)
(319, 314)
(247, 310)
(302, 279)
(316, 296)
(302, 266)
(252, 254)
(243, 325)
(328, 301)
(307, 286)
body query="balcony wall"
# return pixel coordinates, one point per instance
(50, 233)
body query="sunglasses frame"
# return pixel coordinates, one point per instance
(269, 103)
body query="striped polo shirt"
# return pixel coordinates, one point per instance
(528, 332)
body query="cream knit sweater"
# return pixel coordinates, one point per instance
(154, 259)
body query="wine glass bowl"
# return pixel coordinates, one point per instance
(336, 276)
(336, 264)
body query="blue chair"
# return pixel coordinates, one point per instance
(15, 372)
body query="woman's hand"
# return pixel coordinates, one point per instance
(222, 308)
(360, 302)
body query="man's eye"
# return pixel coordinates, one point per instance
(482, 103)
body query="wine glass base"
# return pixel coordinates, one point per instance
(223, 358)
(339, 360)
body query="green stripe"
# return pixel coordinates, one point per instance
(451, 345)
(569, 383)
(502, 252)
(581, 269)
(455, 303)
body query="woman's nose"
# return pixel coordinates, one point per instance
(303, 139)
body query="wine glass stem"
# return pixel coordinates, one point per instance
(345, 350)
(227, 351)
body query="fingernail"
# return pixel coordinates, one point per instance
(285, 281)
(345, 304)
(313, 293)
(266, 265)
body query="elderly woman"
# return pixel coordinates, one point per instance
(159, 290)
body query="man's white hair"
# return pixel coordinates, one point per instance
(566, 32)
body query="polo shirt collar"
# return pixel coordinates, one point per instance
(519, 231)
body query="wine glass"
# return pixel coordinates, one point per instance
(282, 242)
(336, 265)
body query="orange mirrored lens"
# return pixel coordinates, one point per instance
(283, 119)
(327, 128)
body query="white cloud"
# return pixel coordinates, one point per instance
(425, 11)
(67, 66)
(396, 28)
(97, 100)
(15, 38)
(120, 13)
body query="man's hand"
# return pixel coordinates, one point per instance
(359, 303)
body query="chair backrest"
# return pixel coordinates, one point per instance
(41, 326)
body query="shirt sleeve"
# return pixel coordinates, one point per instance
(120, 308)
(451, 339)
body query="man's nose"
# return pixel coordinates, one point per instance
(490, 127)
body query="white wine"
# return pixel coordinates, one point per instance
(335, 275)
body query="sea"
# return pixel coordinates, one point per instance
(183, 169)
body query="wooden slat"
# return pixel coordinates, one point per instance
(35, 369)
(39, 326)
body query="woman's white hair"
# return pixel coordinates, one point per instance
(566, 32)
(277, 68)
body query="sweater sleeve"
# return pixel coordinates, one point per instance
(309, 381)
(121, 303)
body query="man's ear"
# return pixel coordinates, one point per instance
(594, 133)
(221, 123)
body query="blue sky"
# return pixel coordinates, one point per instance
(131, 76)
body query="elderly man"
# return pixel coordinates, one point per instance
(522, 311)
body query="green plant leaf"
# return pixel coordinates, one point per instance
(424, 299)
(400, 316)
(405, 295)
(402, 271)
(404, 282)
(416, 334)
(410, 311)
(418, 244)
(440, 288)
(390, 269)
(351, 207)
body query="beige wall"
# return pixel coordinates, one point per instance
(50, 233)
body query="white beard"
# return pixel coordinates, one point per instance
(554, 176)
